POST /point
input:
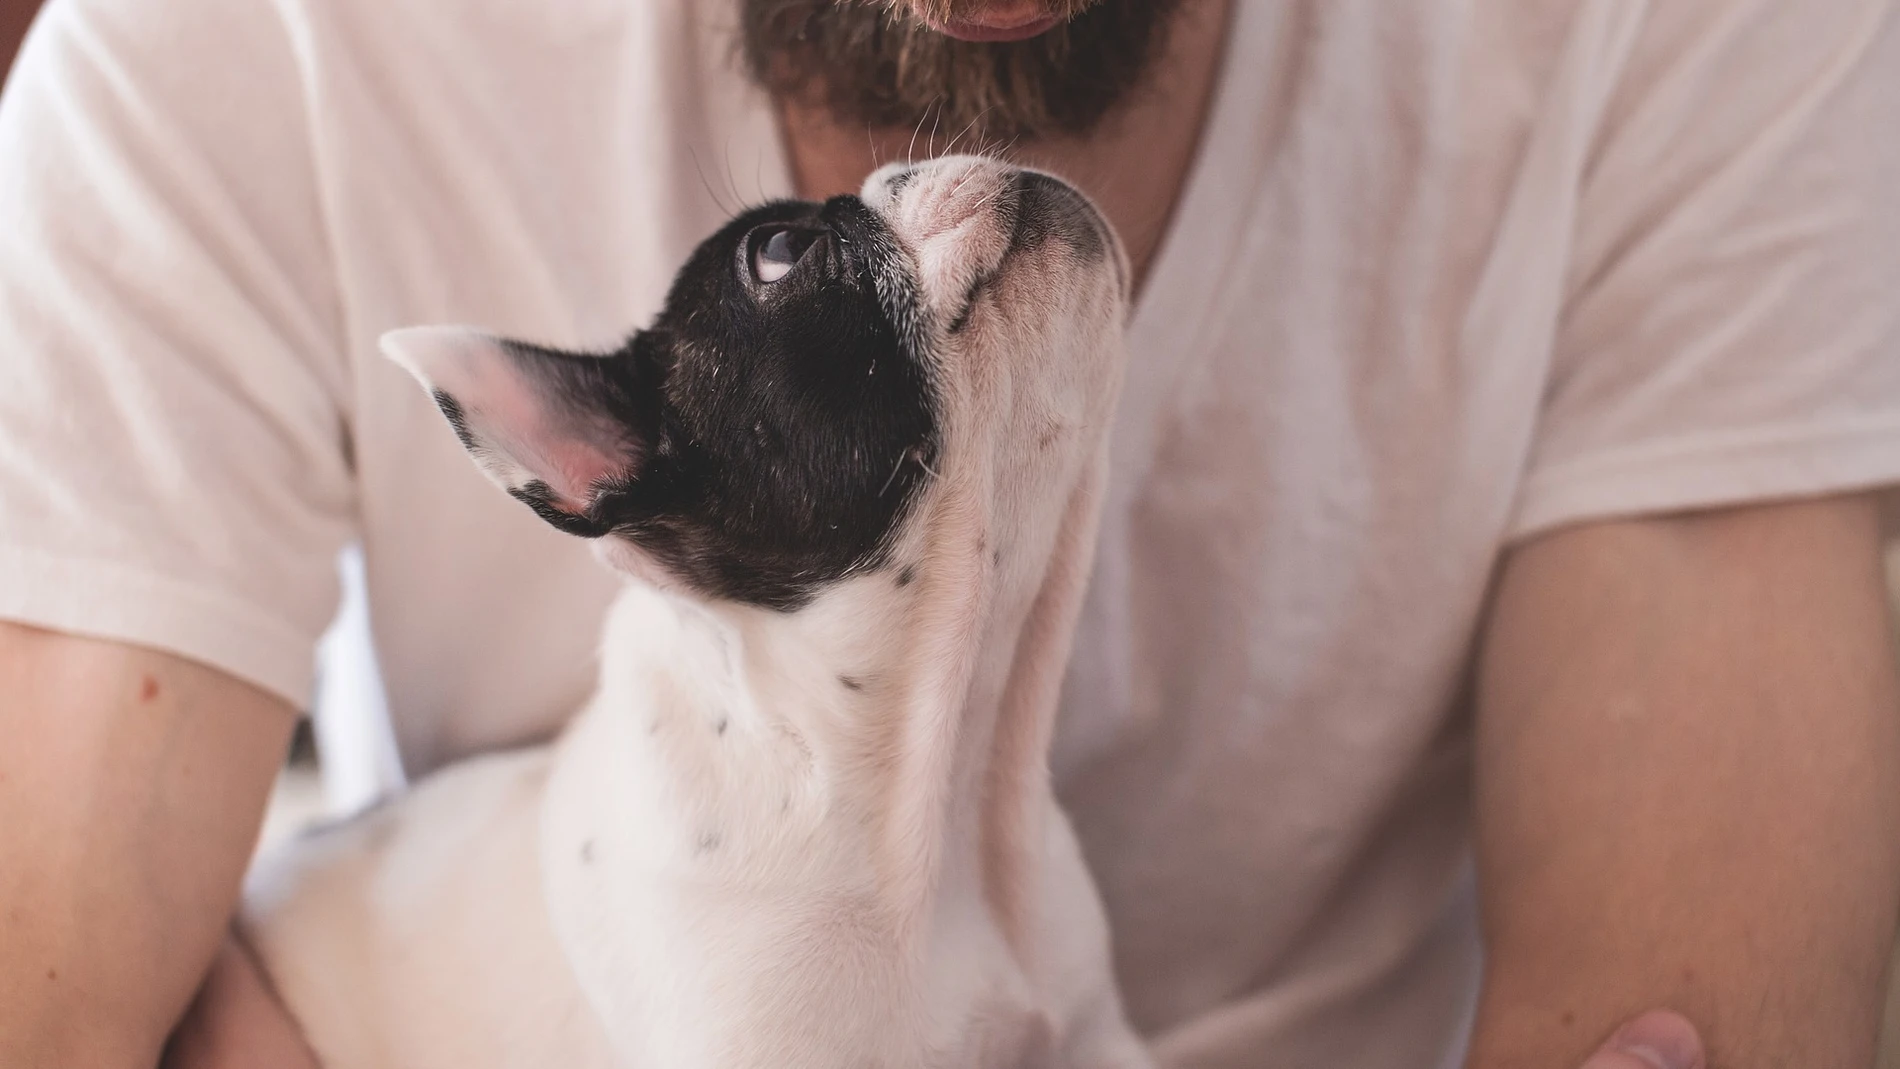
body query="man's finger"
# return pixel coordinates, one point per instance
(1656, 1040)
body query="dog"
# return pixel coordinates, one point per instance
(853, 472)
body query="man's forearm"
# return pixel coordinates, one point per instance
(131, 786)
(15, 16)
(1688, 776)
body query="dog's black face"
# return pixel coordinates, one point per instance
(786, 425)
(771, 431)
(762, 439)
(792, 423)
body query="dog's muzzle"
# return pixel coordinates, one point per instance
(966, 218)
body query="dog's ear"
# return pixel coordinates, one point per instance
(558, 430)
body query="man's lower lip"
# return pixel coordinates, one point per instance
(976, 31)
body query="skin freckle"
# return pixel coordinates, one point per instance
(148, 689)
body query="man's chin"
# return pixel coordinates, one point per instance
(995, 70)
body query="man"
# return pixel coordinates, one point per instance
(1512, 385)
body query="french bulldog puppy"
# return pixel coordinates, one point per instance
(852, 474)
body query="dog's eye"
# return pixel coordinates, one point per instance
(776, 252)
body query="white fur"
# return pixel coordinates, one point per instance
(732, 860)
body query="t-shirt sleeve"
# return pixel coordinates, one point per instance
(173, 466)
(1731, 329)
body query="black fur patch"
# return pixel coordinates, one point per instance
(458, 420)
(537, 496)
(1046, 206)
(895, 184)
(767, 423)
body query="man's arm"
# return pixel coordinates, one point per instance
(15, 16)
(132, 784)
(1688, 785)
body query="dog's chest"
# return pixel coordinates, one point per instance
(704, 862)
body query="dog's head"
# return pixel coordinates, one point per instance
(775, 428)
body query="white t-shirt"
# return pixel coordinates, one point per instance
(1444, 276)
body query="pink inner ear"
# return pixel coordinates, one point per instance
(569, 459)
(581, 468)
(521, 435)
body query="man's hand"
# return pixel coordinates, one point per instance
(1688, 776)
(132, 784)
(1656, 1040)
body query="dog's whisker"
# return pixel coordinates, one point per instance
(987, 198)
(910, 151)
(971, 125)
(731, 182)
(967, 175)
(718, 201)
(893, 475)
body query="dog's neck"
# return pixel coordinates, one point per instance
(872, 766)
(922, 694)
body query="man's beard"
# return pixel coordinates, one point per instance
(869, 62)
